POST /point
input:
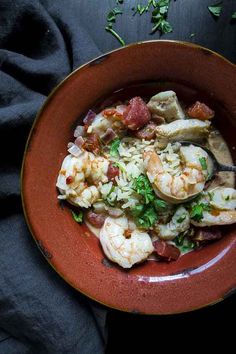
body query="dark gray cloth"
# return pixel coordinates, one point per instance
(40, 43)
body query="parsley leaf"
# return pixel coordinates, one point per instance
(184, 243)
(147, 219)
(111, 19)
(118, 164)
(197, 211)
(159, 204)
(114, 147)
(203, 163)
(216, 9)
(181, 218)
(159, 14)
(78, 217)
(137, 210)
(143, 187)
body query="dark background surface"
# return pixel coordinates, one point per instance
(211, 324)
(51, 60)
(186, 16)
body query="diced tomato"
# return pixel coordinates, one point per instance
(136, 114)
(200, 111)
(69, 179)
(112, 172)
(112, 112)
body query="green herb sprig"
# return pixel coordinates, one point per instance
(114, 147)
(78, 217)
(111, 19)
(159, 14)
(146, 214)
(196, 212)
(216, 9)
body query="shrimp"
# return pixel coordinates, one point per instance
(123, 243)
(180, 222)
(222, 202)
(166, 105)
(181, 181)
(79, 176)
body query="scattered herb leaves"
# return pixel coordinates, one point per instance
(203, 163)
(146, 218)
(78, 217)
(196, 212)
(118, 164)
(159, 14)
(184, 243)
(114, 147)
(216, 9)
(143, 187)
(159, 204)
(181, 219)
(111, 19)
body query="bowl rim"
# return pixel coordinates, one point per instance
(30, 135)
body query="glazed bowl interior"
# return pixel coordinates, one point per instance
(197, 278)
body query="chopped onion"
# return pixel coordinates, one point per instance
(99, 207)
(115, 212)
(79, 141)
(79, 131)
(74, 150)
(88, 119)
(108, 136)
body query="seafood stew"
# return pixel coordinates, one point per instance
(148, 196)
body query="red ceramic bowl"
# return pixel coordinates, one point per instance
(197, 279)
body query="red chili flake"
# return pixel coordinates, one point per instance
(69, 179)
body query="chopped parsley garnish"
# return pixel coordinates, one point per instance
(114, 147)
(118, 164)
(143, 187)
(137, 210)
(216, 9)
(203, 163)
(145, 217)
(196, 212)
(184, 243)
(78, 217)
(210, 195)
(227, 197)
(159, 204)
(146, 214)
(181, 219)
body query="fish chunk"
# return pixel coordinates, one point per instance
(166, 105)
(187, 129)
